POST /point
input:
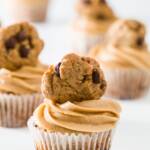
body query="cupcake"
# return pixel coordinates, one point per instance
(94, 18)
(20, 74)
(72, 116)
(124, 57)
(28, 10)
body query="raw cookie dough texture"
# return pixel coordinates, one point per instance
(19, 45)
(96, 9)
(129, 33)
(75, 78)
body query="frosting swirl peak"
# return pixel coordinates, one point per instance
(22, 81)
(113, 56)
(87, 116)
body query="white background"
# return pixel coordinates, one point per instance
(133, 132)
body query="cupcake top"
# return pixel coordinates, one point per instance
(94, 15)
(78, 117)
(129, 33)
(72, 90)
(20, 70)
(26, 80)
(124, 46)
(96, 9)
(20, 45)
(75, 78)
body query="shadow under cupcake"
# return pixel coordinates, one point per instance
(124, 57)
(20, 74)
(72, 116)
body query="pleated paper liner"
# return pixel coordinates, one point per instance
(44, 140)
(16, 110)
(126, 83)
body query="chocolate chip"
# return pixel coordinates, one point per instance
(87, 2)
(57, 69)
(82, 58)
(21, 36)
(103, 1)
(23, 51)
(95, 76)
(10, 43)
(35, 126)
(101, 17)
(140, 41)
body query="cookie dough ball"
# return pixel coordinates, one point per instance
(127, 33)
(75, 78)
(97, 9)
(19, 45)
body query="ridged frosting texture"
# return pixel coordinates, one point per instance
(26, 80)
(79, 117)
(125, 57)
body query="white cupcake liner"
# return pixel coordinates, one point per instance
(44, 140)
(82, 42)
(16, 110)
(126, 83)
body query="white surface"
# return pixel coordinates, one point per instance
(133, 132)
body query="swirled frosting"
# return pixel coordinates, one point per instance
(124, 57)
(26, 80)
(92, 26)
(85, 117)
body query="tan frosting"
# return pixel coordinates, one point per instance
(23, 81)
(87, 116)
(92, 26)
(112, 56)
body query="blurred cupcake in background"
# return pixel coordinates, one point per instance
(73, 116)
(124, 57)
(28, 10)
(94, 18)
(20, 74)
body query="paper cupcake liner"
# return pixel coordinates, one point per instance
(16, 110)
(22, 11)
(44, 140)
(81, 43)
(126, 83)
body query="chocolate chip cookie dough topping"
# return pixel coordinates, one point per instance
(75, 78)
(94, 9)
(127, 33)
(20, 45)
